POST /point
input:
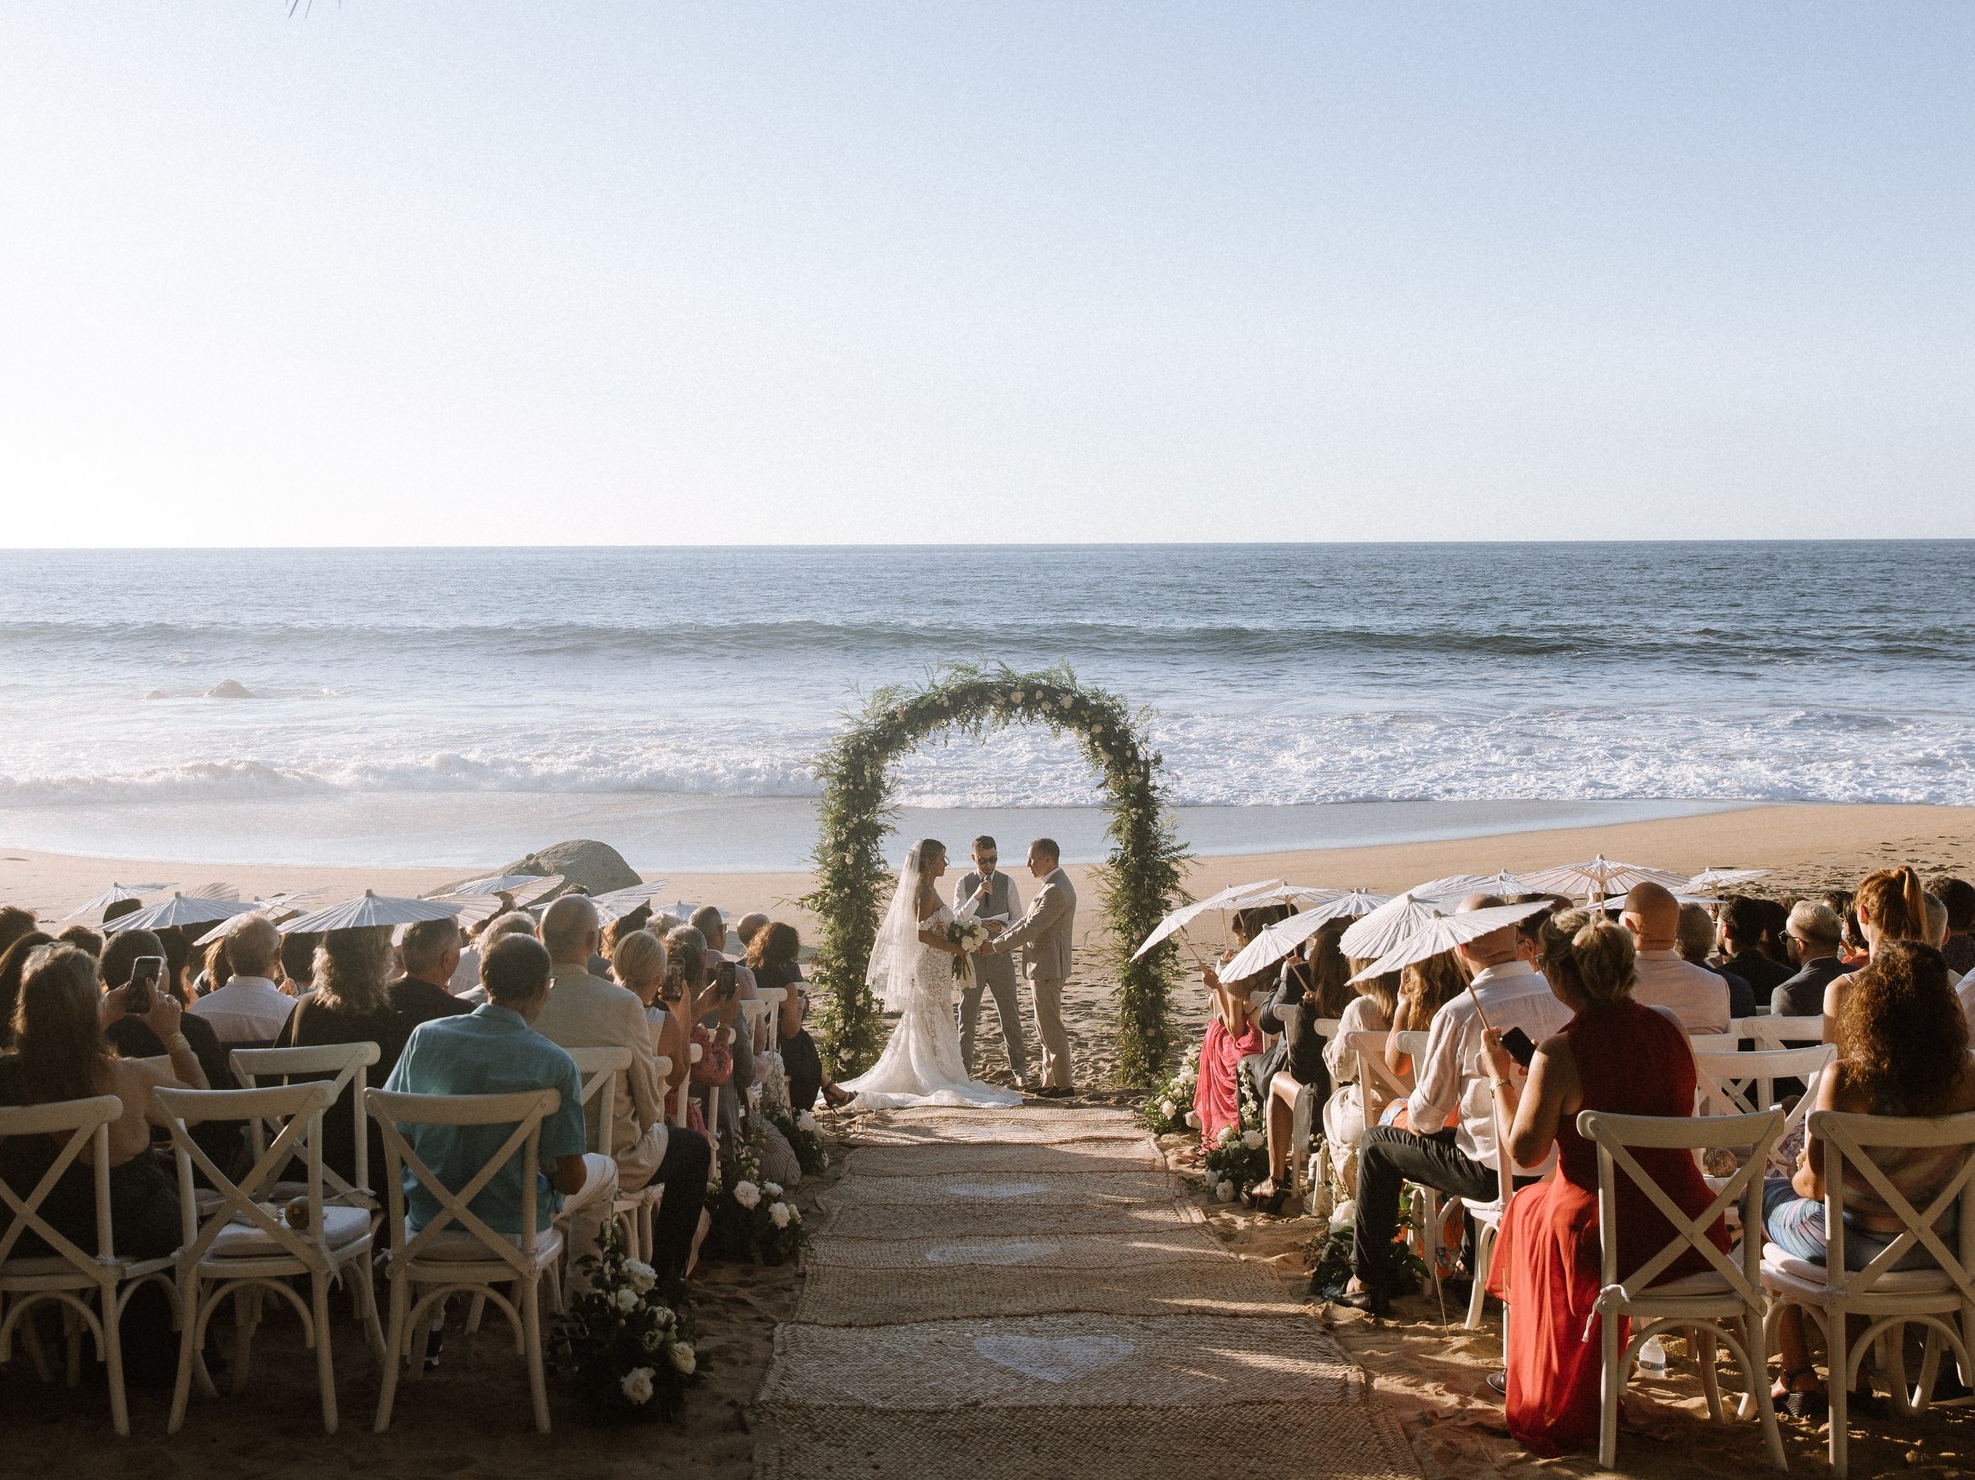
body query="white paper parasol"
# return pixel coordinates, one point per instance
(1452, 889)
(1429, 937)
(115, 894)
(372, 909)
(180, 909)
(1598, 878)
(620, 902)
(1301, 896)
(521, 888)
(1387, 927)
(1713, 879)
(1281, 939)
(1229, 898)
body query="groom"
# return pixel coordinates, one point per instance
(1044, 937)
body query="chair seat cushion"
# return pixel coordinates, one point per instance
(27, 1269)
(1701, 1282)
(245, 1241)
(457, 1246)
(1905, 1282)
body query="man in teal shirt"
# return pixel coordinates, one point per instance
(494, 1051)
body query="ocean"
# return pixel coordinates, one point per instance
(462, 706)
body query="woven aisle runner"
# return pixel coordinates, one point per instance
(1026, 1295)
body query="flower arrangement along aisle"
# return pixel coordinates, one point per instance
(751, 1218)
(631, 1351)
(1240, 1157)
(1170, 1110)
(798, 1128)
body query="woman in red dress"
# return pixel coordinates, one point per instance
(1616, 1056)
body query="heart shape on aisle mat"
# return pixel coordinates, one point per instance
(1059, 1360)
(993, 1251)
(995, 1189)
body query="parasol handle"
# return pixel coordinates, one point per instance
(1485, 1024)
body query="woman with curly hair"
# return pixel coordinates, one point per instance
(1614, 1055)
(1902, 1051)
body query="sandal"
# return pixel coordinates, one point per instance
(836, 1097)
(1799, 1402)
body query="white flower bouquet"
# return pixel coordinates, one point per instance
(629, 1348)
(967, 935)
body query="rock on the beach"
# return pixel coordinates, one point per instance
(593, 867)
(229, 688)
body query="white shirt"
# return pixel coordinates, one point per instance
(466, 976)
(961, 896)
(248, 1009)
(1964, 991)
(1691, 993)
(1452, 1075)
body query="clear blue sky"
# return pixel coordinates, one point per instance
(715, 272)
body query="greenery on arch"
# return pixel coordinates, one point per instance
(1137, 883)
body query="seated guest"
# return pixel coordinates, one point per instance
(1744, 924)
(1612, 1055)
(1695, 944)
(1937, 933)
(1891, 907)
(298, 962)
(745, 930)
(1424, 988)
(83, 939)
(1958, 950)
(214, 973)
(1851, 947)
(16, 922)
(1452, 1083)
(584, 1011)
(132, 1037)
(429, 953)
(713, 930)
(1902, 1051)
(509, 922)
(679, 994)
(1814, 933)
(13, 966)
(1295, 1063)
(351, 1003)
(250, 1009)
(1231, 1036)
(1693, 994)
(638, 962)
(494, 1050)
(1350, 1109)
(771, 956)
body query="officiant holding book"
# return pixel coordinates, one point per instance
(993, 897)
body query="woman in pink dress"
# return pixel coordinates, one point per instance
(1616, 1056)
(1232, 1035)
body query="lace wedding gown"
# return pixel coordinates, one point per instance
(921, 1065)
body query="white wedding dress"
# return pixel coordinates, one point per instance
(921, 1065)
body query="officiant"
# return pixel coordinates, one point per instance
(991, 895)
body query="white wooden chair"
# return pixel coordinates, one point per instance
(1380, 1084)
(1714, 1042)
(67, 1275)
(1745, 1084)
(598, 1069)
(1786, 1032)
(456, 1252)
(1937, 1297)
(1723, 1303)
(347, 1064)
(769, 1038)
(242, 1248)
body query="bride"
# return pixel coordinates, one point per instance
(912, 974)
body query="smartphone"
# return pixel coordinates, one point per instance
(724, 984)
(1520, 1048)
(145, 974)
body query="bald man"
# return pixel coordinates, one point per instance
(1691, 993)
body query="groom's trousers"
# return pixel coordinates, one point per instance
(995, 974)
(1049, 1028)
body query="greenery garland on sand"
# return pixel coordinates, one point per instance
(1137, 884)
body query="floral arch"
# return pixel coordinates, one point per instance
(1136, 884)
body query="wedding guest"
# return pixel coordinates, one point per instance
(83, 939)
(1693, 994)
(214, 972)
(1844, 903)
(1744, 926)
(509, 922)
(1612, 1055)
(707, 921)
(1959, 896)
(1328, 973)
(429, 954)
(1695, 944)
(298, 961)
(1292, 1073)
(1902, 1051)
(13, 966)
(351, 1003)
(1891, 907)
(1350, 1109)
(1424, 988)
(745, 930)
(1813, 933)
(249, 1010)
(772, 956)
(16, 922)
(1937, 933)
(1231, 1036)
(1452, 1084)
(132, 1037)
(495, 1050)
(638, 961)
(682, 993)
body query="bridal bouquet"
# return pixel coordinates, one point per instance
(969, 935)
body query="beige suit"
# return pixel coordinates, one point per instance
(1045, 934)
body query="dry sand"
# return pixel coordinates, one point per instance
(471, 1418)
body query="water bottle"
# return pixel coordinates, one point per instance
(1652, 1358)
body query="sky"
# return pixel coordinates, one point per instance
(933, 272)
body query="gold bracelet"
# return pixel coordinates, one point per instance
(176, 1042)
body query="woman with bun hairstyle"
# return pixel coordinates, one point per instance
(1890, 905)
(1614, 1055)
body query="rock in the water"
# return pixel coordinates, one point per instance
(593, 867)
(228, 688)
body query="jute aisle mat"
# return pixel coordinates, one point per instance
(1077, 1158)
(884, 1220)
(1002, 1196)
(989, 1127)
(1028, 1250)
